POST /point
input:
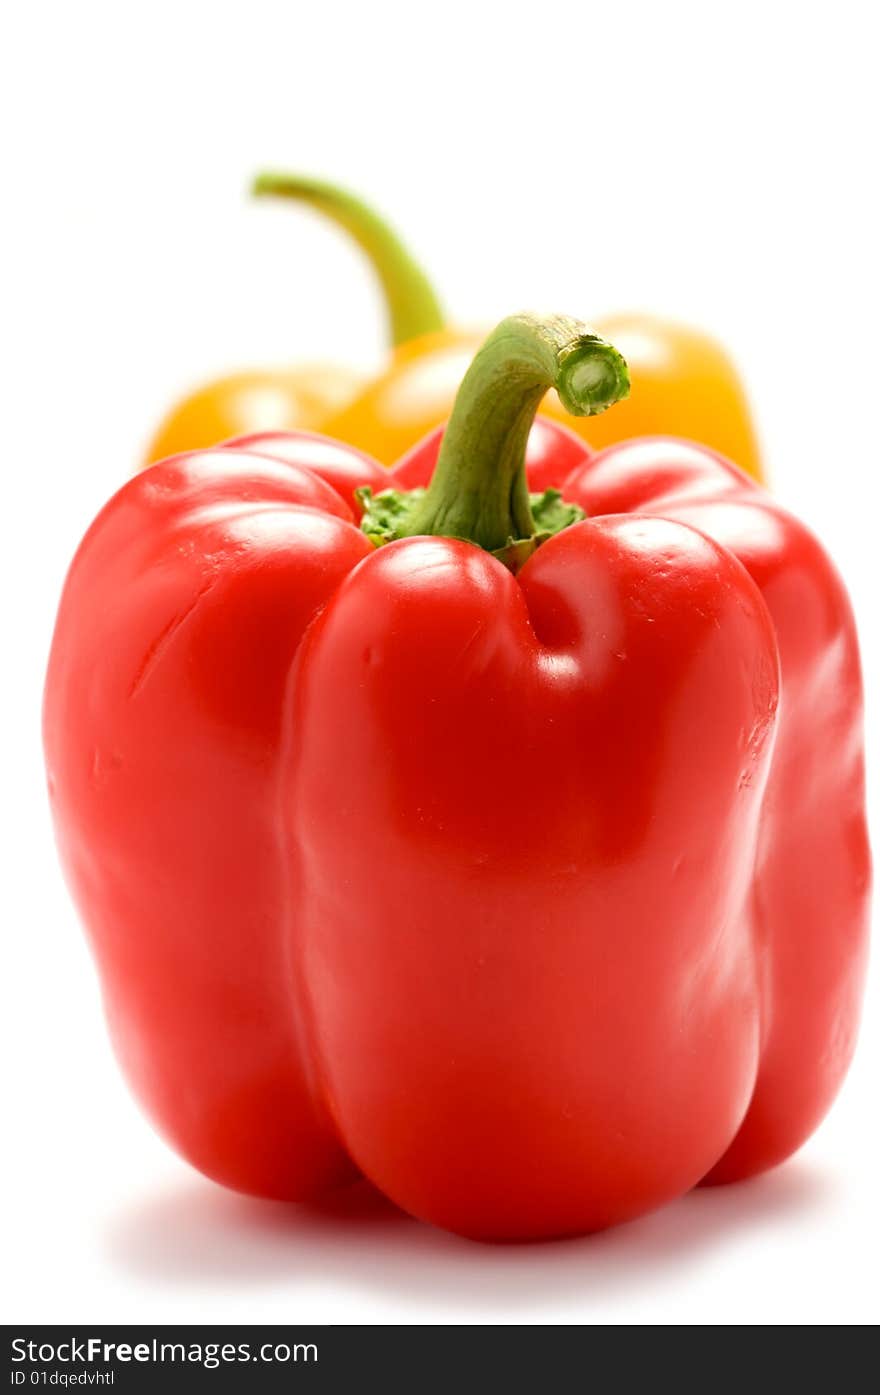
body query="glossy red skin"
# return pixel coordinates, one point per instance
(517, 894)
(343, 467)
(179, 623)
(809, 911)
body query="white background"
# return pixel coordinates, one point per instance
(715, 163)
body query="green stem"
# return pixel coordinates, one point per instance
(479, 490)
(413, 308)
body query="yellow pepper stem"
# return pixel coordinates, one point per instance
(413, 308)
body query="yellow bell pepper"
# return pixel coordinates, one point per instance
(683, 381)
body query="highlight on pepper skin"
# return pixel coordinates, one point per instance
(282, 767)
(683, 382)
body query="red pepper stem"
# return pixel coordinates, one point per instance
(479, 490)
(413, 308)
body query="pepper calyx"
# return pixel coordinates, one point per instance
(386, 516)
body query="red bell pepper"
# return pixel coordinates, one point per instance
(531, 885)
